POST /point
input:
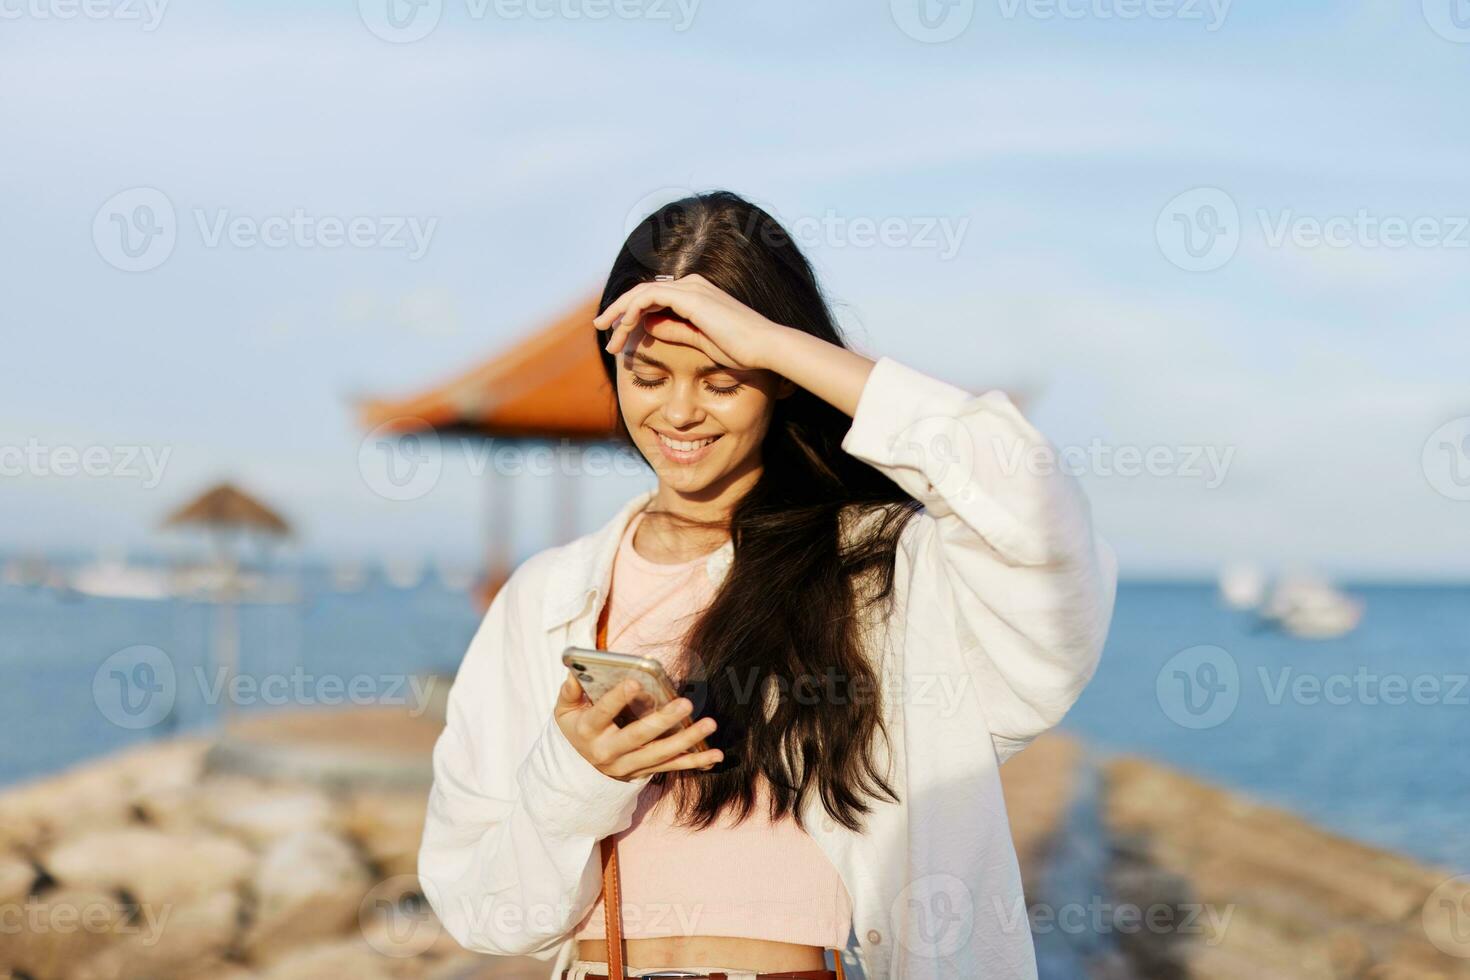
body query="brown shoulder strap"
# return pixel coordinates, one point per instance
(612, 895)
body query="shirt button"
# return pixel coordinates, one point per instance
(874, 936)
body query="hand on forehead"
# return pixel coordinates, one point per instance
(663, 335)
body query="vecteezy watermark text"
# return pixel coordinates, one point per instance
(148, 14)
(137, 229)
(942, 234)
(138, 687)
(1211, 13)
(402, 459)
(1208, 464)
(299, 229)
(36, 916)
(1201, 687)
(406, 21)
(936, 21)
(37, 459)
(1201, 229)
(1099, 916)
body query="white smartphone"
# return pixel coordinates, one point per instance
(599, 671)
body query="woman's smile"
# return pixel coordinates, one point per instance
(685, 450)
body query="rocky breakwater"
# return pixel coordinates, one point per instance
(145, 865)
(154, 865)
(1269, 894)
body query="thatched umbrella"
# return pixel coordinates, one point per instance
(226, 506)
(221, 510)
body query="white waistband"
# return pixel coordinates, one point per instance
(580, 968)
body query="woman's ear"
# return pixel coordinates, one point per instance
(784, 387)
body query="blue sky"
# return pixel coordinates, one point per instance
(1049, 146)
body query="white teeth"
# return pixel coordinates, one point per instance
(683, 446)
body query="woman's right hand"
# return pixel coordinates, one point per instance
(635, 750)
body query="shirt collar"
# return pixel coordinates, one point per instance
(582, 568)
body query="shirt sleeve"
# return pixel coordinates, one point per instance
(515, 812)
(1006, 530)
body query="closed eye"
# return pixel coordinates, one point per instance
(711, 388)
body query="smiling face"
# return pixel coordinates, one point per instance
(699, 425)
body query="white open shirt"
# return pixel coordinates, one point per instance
(1004, 594)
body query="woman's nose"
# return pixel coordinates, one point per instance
(682, 407)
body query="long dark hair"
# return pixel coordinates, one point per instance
(778, 656)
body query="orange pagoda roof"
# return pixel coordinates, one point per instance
(549, 385)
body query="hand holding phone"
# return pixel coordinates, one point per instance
(629, 688)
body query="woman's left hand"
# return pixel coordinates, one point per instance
(728, 331)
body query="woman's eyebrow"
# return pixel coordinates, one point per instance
(699, 373)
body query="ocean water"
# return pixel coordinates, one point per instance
(1366, 735)
(59, 696)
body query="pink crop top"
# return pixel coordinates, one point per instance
(757, 879)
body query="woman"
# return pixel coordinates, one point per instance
(874, 589)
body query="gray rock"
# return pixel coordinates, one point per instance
(309, 886)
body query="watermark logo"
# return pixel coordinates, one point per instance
(940, 447)
(1450, 19)
(1211, 12)
(1446, 917)
(135, 230)
(406, 21)
(1098, 916)
(934, 915)
(1201, 687)
(644, 246)
(1199, 230)
(400, 21)
(398, 465)
(1208, 464)
(397, 919)
(1198, 687)
(932, 21)
(135, 688)
(138, 687)
(1446, 459)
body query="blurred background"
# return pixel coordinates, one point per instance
(299, 366)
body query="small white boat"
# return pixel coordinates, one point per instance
(456, 578)
(404, 573)
(115, 578)
(349, 576)
(1242, 586)
(1310, 608)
